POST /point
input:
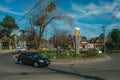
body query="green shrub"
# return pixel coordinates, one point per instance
(49, 53)
(100, 55)
(76, 55)
(63, 54)
(56, 54)
(113, 51)
(89, 53)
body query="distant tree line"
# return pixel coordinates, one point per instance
(113, 40)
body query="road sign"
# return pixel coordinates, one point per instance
(77, 32)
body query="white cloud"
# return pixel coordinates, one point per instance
(91, 11)
(118, 15)
(112, 26)
(85, 25)
(95, 9)
(74, 15)
(8, 10)
(88, 30)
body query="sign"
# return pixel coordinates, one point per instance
(77, 32)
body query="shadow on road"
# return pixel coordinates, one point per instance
(76, 73)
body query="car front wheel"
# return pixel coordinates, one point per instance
(35, 64)
(20, 61)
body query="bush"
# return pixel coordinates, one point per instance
(89, 53)
(113, 51)
(56, 54)
(76, 55)
(52, 54)
(63, 54)
(49, 54)
(100, 55)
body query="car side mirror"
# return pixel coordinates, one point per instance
(16, 56)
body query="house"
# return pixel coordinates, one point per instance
(90, 46)
(96, 43)
(44, 43)
(83, 43)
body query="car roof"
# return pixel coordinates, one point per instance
(31, 53)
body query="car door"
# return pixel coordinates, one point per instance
(23, 58)
(29, 59)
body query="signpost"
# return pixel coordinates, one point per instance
(77, 40)
(0, 45)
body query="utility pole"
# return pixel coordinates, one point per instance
(104, 44)
(105, 30)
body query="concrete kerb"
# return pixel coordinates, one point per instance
(7, 51)
(81, 61)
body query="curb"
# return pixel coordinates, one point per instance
(6, 51)
(81, 61)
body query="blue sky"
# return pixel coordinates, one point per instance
(88, 15)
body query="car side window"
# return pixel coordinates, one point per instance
(22, 54)
(35, 56)
(30, 56)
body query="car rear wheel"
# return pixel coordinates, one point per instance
(20, 62)
(35, 64)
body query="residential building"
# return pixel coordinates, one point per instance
(97, 42)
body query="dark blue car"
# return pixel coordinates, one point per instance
(33, 58)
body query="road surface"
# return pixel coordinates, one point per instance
(105, 70)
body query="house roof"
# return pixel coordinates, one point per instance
(93, 40)
(83, 39)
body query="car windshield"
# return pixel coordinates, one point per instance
(37, 56)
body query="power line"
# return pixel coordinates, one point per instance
(57, 1)
(106, 23)
(112, 18)
(104, 29)
(36, 7)
(29, 11)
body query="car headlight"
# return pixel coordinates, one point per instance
(41, 60)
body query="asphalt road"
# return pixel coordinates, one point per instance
(105, 70)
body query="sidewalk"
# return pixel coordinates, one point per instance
(6, 51)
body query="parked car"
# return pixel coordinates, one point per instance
(83, 49)
(33, 58)
(98, 51)
(21, 48)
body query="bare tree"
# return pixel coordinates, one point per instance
(43, 13)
